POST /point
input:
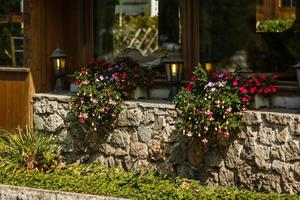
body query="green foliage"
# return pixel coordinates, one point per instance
(274, 25)
(102, 86)
(94, 179)
(30, 150)
(210, 107)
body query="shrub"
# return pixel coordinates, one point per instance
(94, 179)
(211, 104)
(31, 150)
(274, 25)
(210, 107)
(102, 87)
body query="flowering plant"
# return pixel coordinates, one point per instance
(127, 75)
(97, 101)
(211, 104)
(254, 84)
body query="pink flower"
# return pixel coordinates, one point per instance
(235, 82)
(204, 141)
(189, 134)
(83, 117)
(226, 134)
(85, 82)
(94, 101)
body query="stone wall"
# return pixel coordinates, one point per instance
(264, 157)
(22, 193)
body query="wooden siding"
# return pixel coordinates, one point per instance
(52, 22)
(15, 102)
(190, 36)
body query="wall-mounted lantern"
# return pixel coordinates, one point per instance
(174, 63)
(58, 59)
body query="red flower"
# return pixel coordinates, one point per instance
(193, 79)
(244, 99)
(124, 75)
(83, 70)
(135, 68)
(274, 89)
(267, 90)
(77, 82)
(136, 75)
(253, 90)
(235, 82)
(243, 90)
(259, 91)
(263, 77)
(189, 87)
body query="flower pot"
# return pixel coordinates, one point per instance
(261, 101)
(139, 93)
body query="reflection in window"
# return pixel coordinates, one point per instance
(125, 24)
(233, 43)
(144, 25)
(11, 32)
(275, 15)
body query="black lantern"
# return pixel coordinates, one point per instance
(58, 59)
(174, 63)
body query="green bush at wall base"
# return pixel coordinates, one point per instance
(94, 179)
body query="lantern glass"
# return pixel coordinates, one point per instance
(59, 64)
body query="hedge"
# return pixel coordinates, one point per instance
(94, 179)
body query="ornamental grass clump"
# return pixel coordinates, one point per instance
(212, 103)
(30, 150)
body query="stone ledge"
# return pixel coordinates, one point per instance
(16, 193)
(145, 103)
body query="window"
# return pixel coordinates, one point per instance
(228, 38)
(275, 16)
(11, 33)
(144, 25)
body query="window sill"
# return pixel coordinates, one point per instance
(14, 69)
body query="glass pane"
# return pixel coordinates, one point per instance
(11, 32)
(275, 15)
(125, 24)
(144, 25)
(229, 40)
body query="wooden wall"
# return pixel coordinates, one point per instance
(15, 101)
(52, 22)
(190, 36)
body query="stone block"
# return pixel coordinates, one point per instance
(148, 117)
(266, 135)
(283, 135)
(139, 150)
(252, 117)
(120, 138)
(145, 133)
(262, 158)
(54, 123)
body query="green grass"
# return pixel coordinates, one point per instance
(94, 179)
